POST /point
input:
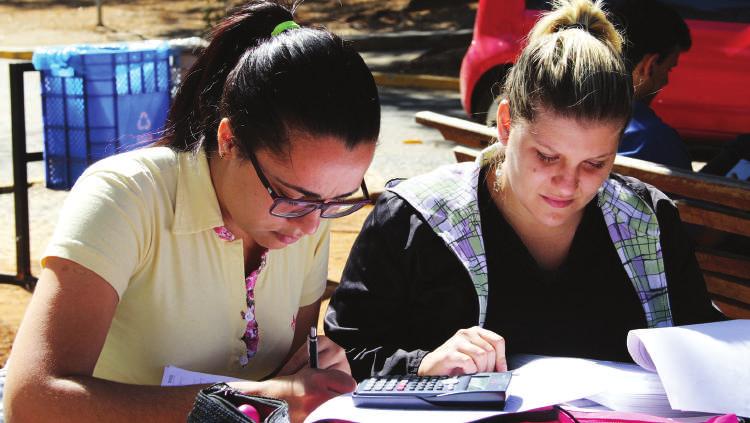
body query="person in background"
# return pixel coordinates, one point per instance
(207, 251)
(656, 36)
(535, 247)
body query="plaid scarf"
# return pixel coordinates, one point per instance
(447, 199)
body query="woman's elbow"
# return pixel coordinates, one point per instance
(23, 398)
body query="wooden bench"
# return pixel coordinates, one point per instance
(719, 207)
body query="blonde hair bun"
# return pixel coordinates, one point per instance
(578, 14)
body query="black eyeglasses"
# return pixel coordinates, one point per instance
(290, 208)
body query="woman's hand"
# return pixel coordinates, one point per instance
(330, 356)
(470, 350)
(304, 391)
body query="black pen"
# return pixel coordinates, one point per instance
(312, 347)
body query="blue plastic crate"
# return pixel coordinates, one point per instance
(100, 100)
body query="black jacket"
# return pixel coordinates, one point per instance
(403, 292)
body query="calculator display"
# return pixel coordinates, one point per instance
(478, 383)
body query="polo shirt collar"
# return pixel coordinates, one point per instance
(196, 206)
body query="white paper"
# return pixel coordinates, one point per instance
(541, 382)
(175, 376)
(636, 390)
(341, 408)
(703, 367)
(547, 381)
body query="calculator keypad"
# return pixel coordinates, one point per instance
(421, 384)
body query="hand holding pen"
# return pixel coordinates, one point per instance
(315, 373)
(329, 356)
(312, 347)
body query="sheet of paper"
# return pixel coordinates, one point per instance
(175, 376)
(552, 380)
(342, 408)
(636, 390)
(540, 382)
(703, 367)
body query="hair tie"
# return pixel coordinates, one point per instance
(576, 25)
(283, 27)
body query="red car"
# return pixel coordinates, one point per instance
(708, 96)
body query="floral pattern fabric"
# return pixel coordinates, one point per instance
(251, 336)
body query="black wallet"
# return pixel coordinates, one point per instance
(218, 403)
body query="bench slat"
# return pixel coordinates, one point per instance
(690, 213)
(461, 131)
(714, 189)
(726, 287)
(732, 309)
(710, 261)
(465, 154)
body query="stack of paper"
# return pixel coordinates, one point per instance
(703, 367)
(633, 389)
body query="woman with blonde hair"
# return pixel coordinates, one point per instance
(534, 248)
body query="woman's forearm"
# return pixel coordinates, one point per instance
(84, 399)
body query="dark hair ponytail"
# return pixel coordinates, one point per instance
(300, 80)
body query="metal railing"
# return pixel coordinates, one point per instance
(21, 158)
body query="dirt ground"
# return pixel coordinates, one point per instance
(32, 23)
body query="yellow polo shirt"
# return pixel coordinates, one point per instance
(143, 221)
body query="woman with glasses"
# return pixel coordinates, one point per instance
(536, 247)
(209, 250)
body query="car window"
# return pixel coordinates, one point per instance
(714, 10)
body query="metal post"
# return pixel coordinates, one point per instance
(23, 275)
(99, 13)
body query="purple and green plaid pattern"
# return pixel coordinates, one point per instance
(453, 213)
(634, 230)
(447, 199)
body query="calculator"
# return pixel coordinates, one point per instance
(479, 390)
